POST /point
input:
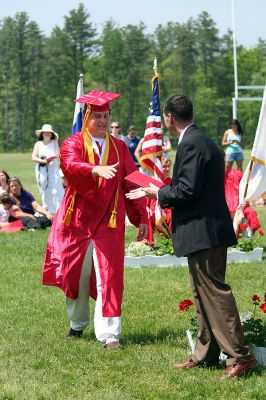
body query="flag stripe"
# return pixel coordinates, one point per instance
(152, 146)
(77, 120)
(152, 143)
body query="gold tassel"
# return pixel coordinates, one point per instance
(112, 220)
(68, 215)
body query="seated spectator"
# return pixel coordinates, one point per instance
(4, 178)
(7, 210)
(132, 141)
(27, 203)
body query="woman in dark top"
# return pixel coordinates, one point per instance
(27, 203)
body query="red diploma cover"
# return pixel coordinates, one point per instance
(51, 158)
(13, 226)
(143, 180)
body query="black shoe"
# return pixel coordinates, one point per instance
(114, 346)
(74, 334)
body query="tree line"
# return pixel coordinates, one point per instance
(39, 74)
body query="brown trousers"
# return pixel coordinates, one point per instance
(217, 314)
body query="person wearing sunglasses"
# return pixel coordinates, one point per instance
(116, 130)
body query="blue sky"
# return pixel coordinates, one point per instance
(250, 14)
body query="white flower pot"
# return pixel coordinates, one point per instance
(191, 341)
(148, 260)
(192, 344)
(260, 354)
(235, 255)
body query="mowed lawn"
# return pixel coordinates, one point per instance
(37, 361)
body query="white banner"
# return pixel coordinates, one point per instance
(255, 173)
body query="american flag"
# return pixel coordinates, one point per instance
(151, 152)
(77, 120)
(152, 146)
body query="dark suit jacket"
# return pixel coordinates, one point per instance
(201, 218)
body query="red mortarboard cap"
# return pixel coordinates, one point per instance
(99, 101)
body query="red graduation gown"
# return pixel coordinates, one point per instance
(231, 187)
(151, 204)
(67, 245)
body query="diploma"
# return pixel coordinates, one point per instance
(143, 180)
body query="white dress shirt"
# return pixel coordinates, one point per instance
(183, 132)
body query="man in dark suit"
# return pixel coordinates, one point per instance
(202, 231)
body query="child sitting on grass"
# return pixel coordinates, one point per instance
(7, 209)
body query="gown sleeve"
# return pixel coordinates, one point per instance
(77, 171)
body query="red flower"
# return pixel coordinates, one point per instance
(255, 297)
(185, 304)
(263, 307)
(265, 296)
(243, 227)
(260, 232)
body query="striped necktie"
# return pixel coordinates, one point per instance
(99, 147)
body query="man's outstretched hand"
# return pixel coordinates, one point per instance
(136, 194)
(150, 191)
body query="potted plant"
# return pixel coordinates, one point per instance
(248, 248)
(138, 249)
(141, 254)
(194, 327)
(253, 327)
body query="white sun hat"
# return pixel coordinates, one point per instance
(46, 128)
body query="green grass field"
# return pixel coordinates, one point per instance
(37, 361)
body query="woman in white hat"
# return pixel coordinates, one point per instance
(45, 154)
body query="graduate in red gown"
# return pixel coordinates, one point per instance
(231, 186)
(250, 219)
(85, 250)
(159, 220)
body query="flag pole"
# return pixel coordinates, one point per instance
(81, 78)
(249, 175)
(155, 66)
(79, 107)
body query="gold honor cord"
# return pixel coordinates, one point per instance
(112, 220)
(89, 150)
(68, 215)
